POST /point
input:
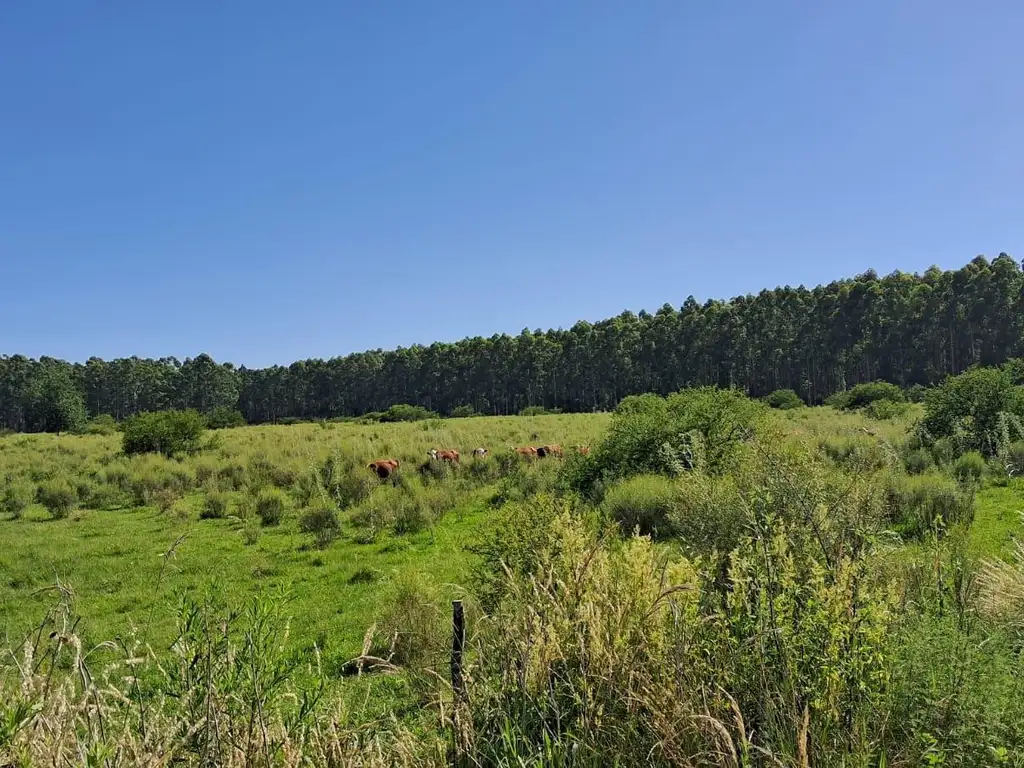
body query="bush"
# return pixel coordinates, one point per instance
(709, 514)
(322, 523)
(944, 451)
(969, 468)
(224, 417)
(17, 496)
(168, 432)
(915, 503)
(464, 412)
(783, 400)
(863, 395)
(917, 393)
(695, 428)
(103, 424)
(58, 496)
(413, 626)
(345, 482)
(403, 412)
(644, 502)
(269, 505)
(918, 461)
(883, 410)
(1015, 458)
(215, 506)
(969, 409)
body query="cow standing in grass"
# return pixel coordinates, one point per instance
(384, 468)
(452, 457)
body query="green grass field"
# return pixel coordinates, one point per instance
(139, 536)
(116, 560)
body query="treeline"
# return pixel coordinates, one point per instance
(903, 328)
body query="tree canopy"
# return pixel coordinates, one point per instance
(905, 329)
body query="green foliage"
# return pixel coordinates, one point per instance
(103, 424)
(699, 428)
(168, 432)
(515, 540)
(269, 505)
(17, 496)
(1015, 458)
(917, 393)
(215, 505)
(463, 412)
(322, 523)
(969, 468)
(224, 417)
(967, 409)
(58, 496)
(54, 403)
(643, 502)
(783, 400)
(403, 412)
(863, 395)
(918, 461)
(916, 505)
(883, 410)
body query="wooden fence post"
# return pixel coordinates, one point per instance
(458, 645)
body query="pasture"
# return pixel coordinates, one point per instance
(294, 515)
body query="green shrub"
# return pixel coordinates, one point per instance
(918, 461)
(883, 410)
(103, 424)
(783, 400)
(969, 409)
(643, 502)
(17, 496)
(269, 504)
(944, 451)
(857, 452)
(464, 412)
(915, 503)
(969, 468)
(1015, 458)
(863, 395)
(58, 496)
(345, 482)
(322, 523)
(168, 432)
(403, 412)
(224, 417)
(413, 627)
(695, 428)
(709, 513)
(215, 506)
(917, 393)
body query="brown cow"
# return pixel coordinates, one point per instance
(583, 450)
(549, 450)
(527, 451)
(452, 457)
(384, 467)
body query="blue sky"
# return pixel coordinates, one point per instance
(271, 181)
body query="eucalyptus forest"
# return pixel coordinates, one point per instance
(903, 328)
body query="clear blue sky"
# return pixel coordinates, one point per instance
(270, 181)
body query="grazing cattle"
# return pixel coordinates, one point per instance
(452, 457)
(583, 450)
(527, 450)
(480, 453)
(384, 467)
(549, 450)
